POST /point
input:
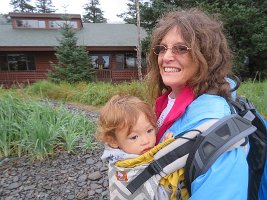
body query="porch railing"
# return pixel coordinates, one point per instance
(118, 75)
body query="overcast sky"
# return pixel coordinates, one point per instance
(110, 7)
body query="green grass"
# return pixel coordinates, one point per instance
(256, 92)
(35, 129)
(96, 94)
(29, 127)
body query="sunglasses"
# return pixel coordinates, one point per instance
(176, 49)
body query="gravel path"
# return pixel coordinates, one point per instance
(64, 176)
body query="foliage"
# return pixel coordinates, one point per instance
(93, 13)
(74, 64)
(49, 90)
(97, 94)
(130, 15)
(31, 128)
(248, 38)
(256, 92)
(21, 6)
(44, 6)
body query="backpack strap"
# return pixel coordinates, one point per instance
(212, 143)
(258, 145)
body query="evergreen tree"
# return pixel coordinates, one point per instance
(248, 38)
(94, 14)
(45, 6)
(130, 15)
(21, 6)
(74, 64)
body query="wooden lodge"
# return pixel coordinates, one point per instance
(27, 47)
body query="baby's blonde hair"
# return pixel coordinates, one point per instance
(121, 113)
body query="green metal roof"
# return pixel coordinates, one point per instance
(92, 34)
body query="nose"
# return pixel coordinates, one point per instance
(145, 140)
(168, 55)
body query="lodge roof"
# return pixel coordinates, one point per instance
(26, 15)
(92, 34)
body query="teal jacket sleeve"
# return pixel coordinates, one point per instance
(202, 109)
(227, 178)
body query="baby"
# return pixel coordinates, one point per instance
(127, 127)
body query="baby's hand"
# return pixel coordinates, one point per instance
(168, 136)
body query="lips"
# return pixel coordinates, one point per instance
(145, 150)
(171, 69)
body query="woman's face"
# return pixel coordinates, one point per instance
(175, 68)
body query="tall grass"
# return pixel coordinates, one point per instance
(29, 127)
(256, 92)
(95, 94)
(32, 128)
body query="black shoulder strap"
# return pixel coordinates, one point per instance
(258, 146)
(156, 167)
(214, 142)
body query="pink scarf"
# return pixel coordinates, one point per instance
(178, 109)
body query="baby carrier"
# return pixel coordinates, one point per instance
(195, 151)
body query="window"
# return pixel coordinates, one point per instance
(100, 61)
(16, 62)
(119, 61)
(30, 23)
(52, 24)
(125, 61)
(130, 60)
(60, 23)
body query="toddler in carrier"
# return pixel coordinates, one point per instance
(127, 127)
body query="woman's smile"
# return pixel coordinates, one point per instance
(171, 69)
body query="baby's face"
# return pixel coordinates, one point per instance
(141, 139)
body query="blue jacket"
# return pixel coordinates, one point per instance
(228, 176)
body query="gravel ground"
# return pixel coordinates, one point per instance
(63, 176)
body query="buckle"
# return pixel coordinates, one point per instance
(154, 168)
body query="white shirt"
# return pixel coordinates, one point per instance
(166, 111)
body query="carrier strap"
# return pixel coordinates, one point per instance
(214, 142)
(157, 166)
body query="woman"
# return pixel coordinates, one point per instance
(188, 63)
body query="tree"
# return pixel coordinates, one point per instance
(130, 16)
(94, 14)
(74, 64)
(248, 38)
(139, 47)
(21, 6)
(45, 6)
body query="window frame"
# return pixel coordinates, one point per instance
(99, 66)
(18, 60)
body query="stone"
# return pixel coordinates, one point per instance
(82, 178)
(79, 175)
(14, 185)
(95, 175)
